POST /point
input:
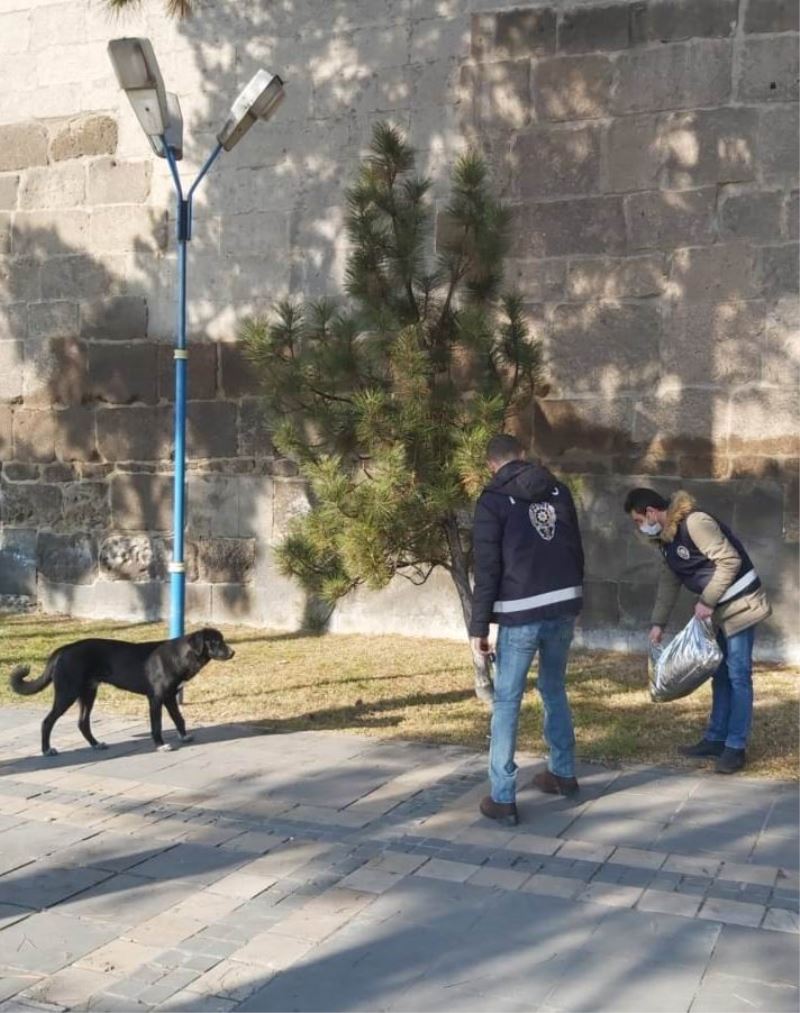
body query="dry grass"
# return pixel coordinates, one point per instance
(408, 688)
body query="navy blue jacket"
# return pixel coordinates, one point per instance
(527, 550)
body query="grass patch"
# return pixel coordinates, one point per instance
(408, 688)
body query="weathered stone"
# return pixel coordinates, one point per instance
(17, 561)
(43, 234)
(572, 87)
(128, 229)
(77, 277)
(255, 437)
(66, 559)
(87, 135)
(57, 319)
(633, 154)
(557, 160)
(780, 363)
(290, 500)
(779, 143)
(212, 508)
(665, 219)
(76, 436)
(29, 505)
(499, 94)
(59, 472)
(211, 429)
(202, 371)
(600, 603)
(558, 228)
(715, 273)
(111, 181)
(34, 434)
(162, 555)
(123, 373)
(226, 560)
(607, 278)
(769, 70)
(636, 602)
(9, 188)
(22, 145)
(592, 344)
(709, 146)
(238, 376)
(53, 186)
(511, 35)
(127, 557)
(11, 357)
(707, 343)
(779, 270)
(750, 214)
(536, 280)
(141, 502)
(86, 505)
(121, 318)
(758, 511)
(585, 30)
(596, 424)
(682, 421)
(256, 235)
(675, 77)
(676, 20)
(771, 16)
(5, 234)
(134, 433)
(16, 471)
(792, 212)
(6, 413)
(54, 372)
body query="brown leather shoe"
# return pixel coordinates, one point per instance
(504, 812)
(552, 784)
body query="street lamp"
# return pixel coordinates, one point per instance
(159, 114)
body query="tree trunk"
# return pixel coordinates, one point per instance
(459, 574)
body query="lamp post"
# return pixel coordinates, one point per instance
(159, 114)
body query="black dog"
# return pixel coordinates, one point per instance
(156, 669)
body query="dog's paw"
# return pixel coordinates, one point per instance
(187, 738)
(100, 745)
(52, 751)
(165, 747)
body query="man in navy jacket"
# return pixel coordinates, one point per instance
(528, 579)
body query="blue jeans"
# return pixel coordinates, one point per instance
(732, 691)
(516, 649)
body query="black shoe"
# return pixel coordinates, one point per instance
(705, 747)
(504, 813)
(731, 761)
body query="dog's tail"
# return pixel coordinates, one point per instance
(18, 682)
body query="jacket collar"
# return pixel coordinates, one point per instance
(680, 506)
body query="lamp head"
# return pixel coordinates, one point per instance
(139, 77)
(258, 100)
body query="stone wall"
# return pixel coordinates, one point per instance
(649, 151)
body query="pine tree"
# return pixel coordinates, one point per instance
(387, 403)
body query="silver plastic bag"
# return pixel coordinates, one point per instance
(685, 663)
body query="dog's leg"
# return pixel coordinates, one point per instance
(88, 697)
(171, 703)
(62, 702)
(155, 724)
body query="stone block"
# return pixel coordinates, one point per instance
(60, 472)
(111, 181)
(226, 560)
(141, 502)
(120, 318)
(558, 228)
(86, 135)
(66, 559)
(76, 436)
(255, 436)
(22, 145)
(768, 70)
(134, 433)
(126, 228)
(591, 424)
(750, 214)
(30, 505)
(290, 500)
(212, 507)
(258, 234)
(202, 371)
(781, 349)
(636, 602)
(633, 154)
(54, 372)
(664, 219)
(6, 414)
(5, 234)
(34, 434)
(758, 511)
(600, 603)
(792, 211)
(498, 94)
(715, 273)
(43, 234)
(613, 278)
(572, 87)
(557, 160)
(779, 270)
(238, 376)
(9, 188)
(11, 356)
(53, 186)
(211, 429)
(75, 277)
(682, 420)
(584, 30)
(709, 146)
(17, 561)
(603, 341)
(771, 16)
(714, 343)
(57, 319)
(778, 143)
(123, 373)
(85, 506)
(674, 77)
(513, 35)
(677, 20)
(765, 422)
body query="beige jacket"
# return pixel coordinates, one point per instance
(707, 535)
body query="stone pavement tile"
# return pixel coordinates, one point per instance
(781, 920)
(106, 850)
(164, 930)
(533, 844)
(39, 886)
(624, 876)
(733, 912)
(286, 859)
(586, 852)
(723, 993)
(667, 939)
(241, 884)
(189, 1001)
(614, 830)
(690, 839)
(553, 886)
(10, 913)
(440, 868)
(329, 816)
(272, 950)
(231, 979)
(197, 864)
(48, 941)
(755, 954)
(660, 902)
(772, 849)
(504, 879)
(68, 987)
(688, 866)
(761, 875)
(638, 858)
(396, 861)
(125, 900)
(367, 880)
(12, 983)
(611, 894)
(121, 956)
(172, 982)
(204, 906)
(254, 842)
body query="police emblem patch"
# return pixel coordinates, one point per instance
(543, 518)
(682, 551)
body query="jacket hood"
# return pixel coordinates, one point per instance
(680, 506)
(523, 480)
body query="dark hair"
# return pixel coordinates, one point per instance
(504, 448)
(640, 499)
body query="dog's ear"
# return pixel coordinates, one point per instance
(197, 643)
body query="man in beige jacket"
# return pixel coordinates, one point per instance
(705, 556)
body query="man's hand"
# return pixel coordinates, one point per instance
(480, 646)
(703, 612)
(656, 633)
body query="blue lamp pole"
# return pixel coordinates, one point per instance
(159, 114)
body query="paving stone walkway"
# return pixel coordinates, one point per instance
(316, 871)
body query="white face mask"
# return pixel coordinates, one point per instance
(651, 530)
